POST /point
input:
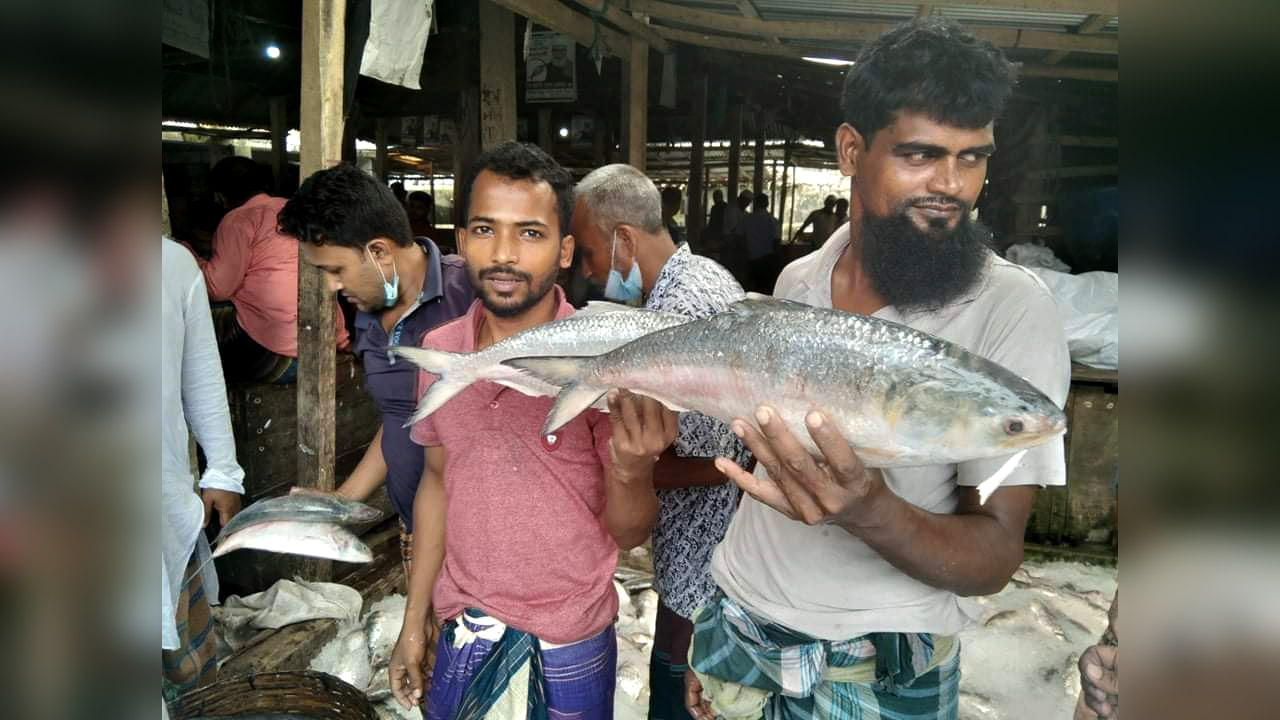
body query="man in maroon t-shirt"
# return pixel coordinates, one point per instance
(520, 573)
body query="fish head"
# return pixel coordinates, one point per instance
(964, 418)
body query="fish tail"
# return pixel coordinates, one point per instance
(451, 377)
(566, 373)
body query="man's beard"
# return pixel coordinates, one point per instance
(914, 269)
(502, 305)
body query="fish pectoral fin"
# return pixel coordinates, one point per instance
(569, 404)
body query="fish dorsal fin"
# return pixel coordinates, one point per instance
(757, 301)
(597, 307)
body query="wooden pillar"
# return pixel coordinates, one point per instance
(497, 75)
(635, 104)
(380, 153)
(546, 137)
(757, 182)
(792, 222)
(694, 217)
(706, 189)
(773, 187)
(321, 126)
(735, 152)
(782, 195)
(279, 137)
(467, 148)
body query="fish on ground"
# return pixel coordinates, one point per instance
(303, 507)
(598, 328)
(899, 396)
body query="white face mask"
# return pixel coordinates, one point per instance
(630, 290)
(390, 290)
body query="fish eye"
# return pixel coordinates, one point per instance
(1013, 427)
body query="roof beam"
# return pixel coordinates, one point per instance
(862, 31)
(562, 18)
(632, 26)
(925, 10)
(749, 11)
(1070, 73)
(1091, 25)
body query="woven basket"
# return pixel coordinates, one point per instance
(301, 694)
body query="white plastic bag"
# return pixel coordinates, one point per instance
(1089, 307)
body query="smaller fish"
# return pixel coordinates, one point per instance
(301, 507)
(294, 537)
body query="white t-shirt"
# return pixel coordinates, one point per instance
(823, 581)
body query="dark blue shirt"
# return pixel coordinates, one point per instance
(446, 294)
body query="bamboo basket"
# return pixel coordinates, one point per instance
(299, 694)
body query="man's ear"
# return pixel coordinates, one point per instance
(849, 148)
(567, 243)
(379, 247)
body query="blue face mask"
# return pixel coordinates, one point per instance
(390, 290)
(629, 291)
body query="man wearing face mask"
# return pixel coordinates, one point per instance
(618, 223)
(354, 230)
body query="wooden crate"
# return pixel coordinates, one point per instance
(1069, 515)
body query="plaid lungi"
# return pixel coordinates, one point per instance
(195, 662)
(485, 669)
(751, 668)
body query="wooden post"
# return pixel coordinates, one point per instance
(782, 196)
(467, 148)
(792, 222)
(694, 217)
(635, 104)
(735, 152)
(773, 187)
(321, 125)
(279, 135)
(706, 189)
(497, 75)
(757, 182)
(380, 153)
(545, 135)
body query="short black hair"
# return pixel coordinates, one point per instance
(930, 66)
(829, 202)
(520, 161)
(238, 179)
(761, 202)
(423, 196)
(347, 207)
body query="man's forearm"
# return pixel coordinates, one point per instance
(428, 550)
(631, 507)
(369, 474)
(966, 553)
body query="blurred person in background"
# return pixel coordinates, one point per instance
(353, 229)
(397, 189)
(255, 268)
(194, 398)
(823, 221)
(672, 200)
(714, 231)
(842, 212)
(421, 208)
(761, 232)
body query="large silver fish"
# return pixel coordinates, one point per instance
(899, 396)
(598, 328)
(294, 537)
(305, 507)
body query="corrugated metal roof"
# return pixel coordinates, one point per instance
(977, 15)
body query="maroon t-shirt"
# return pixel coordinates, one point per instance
(523, 536)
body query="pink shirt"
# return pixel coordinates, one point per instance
(523, 536)
(256, 268)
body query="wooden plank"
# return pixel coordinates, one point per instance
(1094, 23)
(925, 10)
(558, 16)
(1111, 7)
(1070, 73)
(638, 30)
(1091, 459)
(1074, 172)
(279, 148)
(497, 75)
(1054, 57)
(735, 152)
(694, 216)
(323, 40)
(1084, 373)
(781, 209)
(748, 10)
(710, 22)
(545, 135)
(635, 105)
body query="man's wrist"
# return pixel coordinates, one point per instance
(870, 512)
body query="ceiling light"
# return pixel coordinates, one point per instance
(273, 52)
(829, 61)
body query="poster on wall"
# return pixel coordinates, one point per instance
(550, 75)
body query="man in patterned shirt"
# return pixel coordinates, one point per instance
(617, 221)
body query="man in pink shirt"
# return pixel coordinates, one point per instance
(516, 534)
(256, 268)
